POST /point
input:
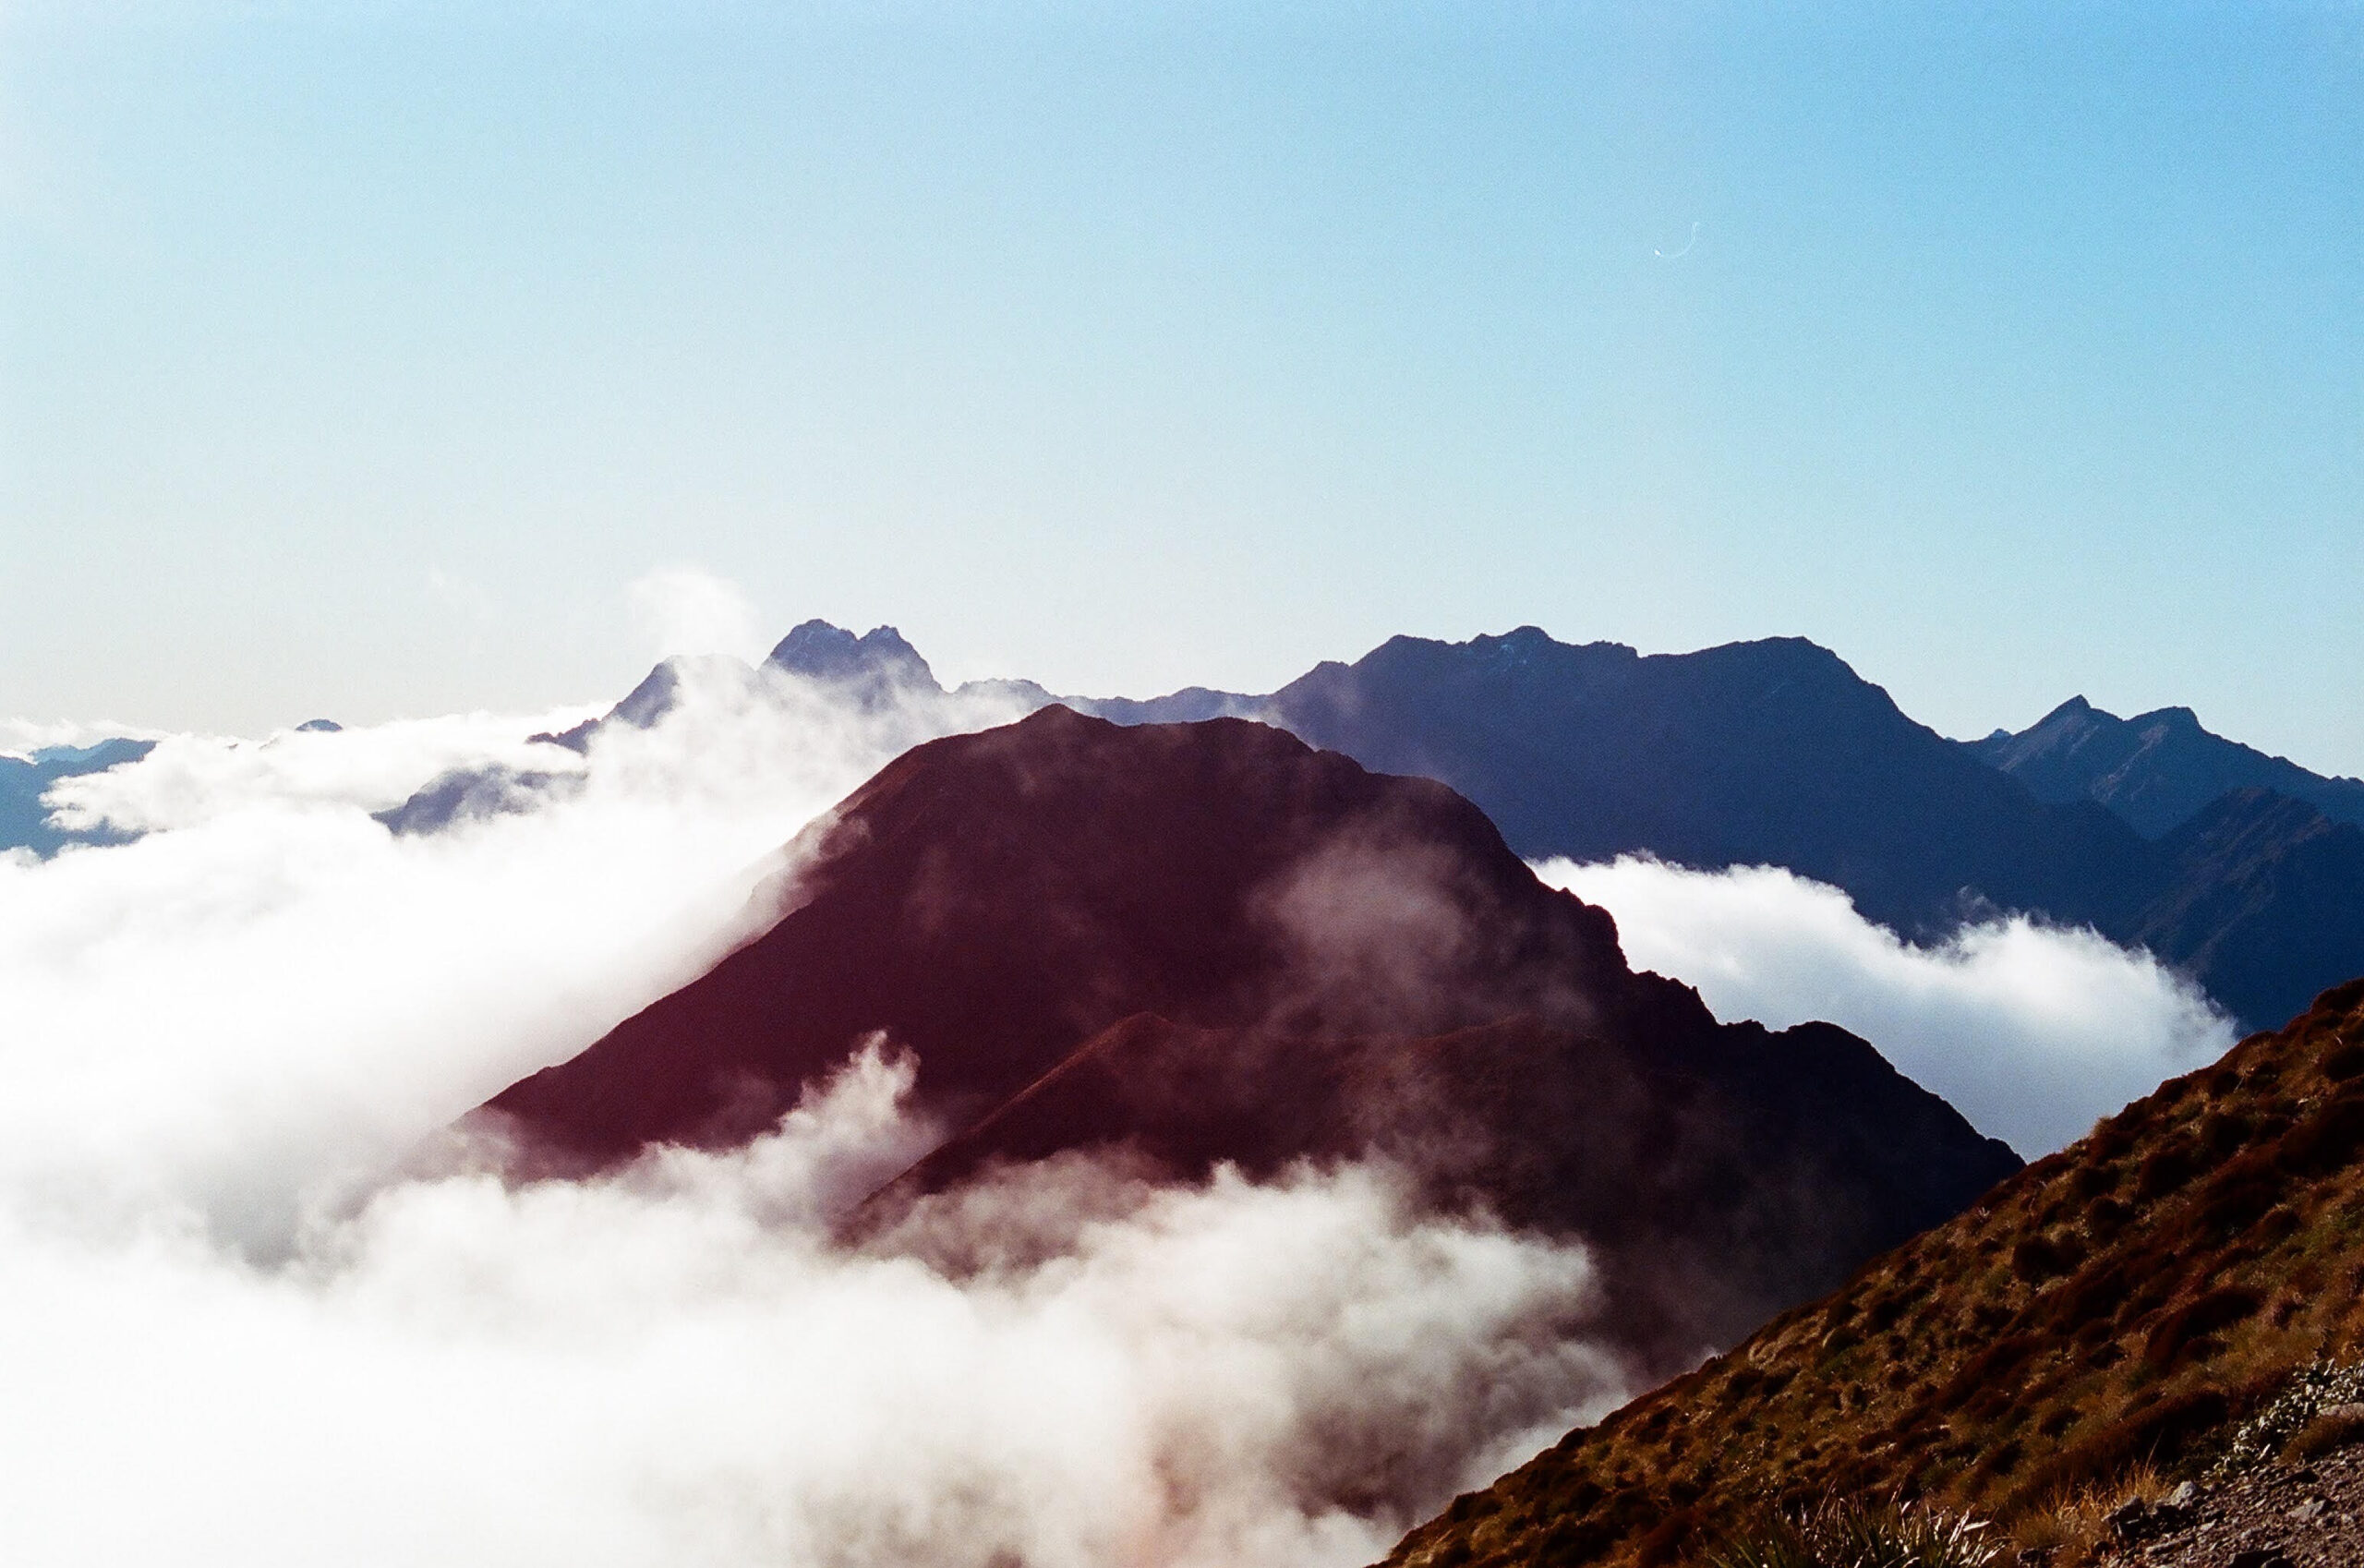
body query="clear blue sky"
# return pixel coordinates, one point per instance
(353, 359)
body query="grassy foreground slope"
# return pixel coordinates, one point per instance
(2116, 1307)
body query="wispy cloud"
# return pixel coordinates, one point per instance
(2031, 1031)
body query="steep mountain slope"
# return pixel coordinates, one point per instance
(1718, 1176)
(2122, 1302)
(1211, 942)
(658, 694)
(2267, 894)
(2156, 769)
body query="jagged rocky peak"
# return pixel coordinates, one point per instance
(879, 656)
(659, 692)
(2154, 770)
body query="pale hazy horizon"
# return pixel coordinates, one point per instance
(356, 360)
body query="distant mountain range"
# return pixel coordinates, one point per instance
(1207, 943)
(875, 673)
(2243, 870)
(2170, 1296)
(1776, 752)
(1771, 752)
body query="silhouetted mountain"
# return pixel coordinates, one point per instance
(880, 670)
(878, 664)
(1189, 705)
(1211, 942)
(2121, 1306)
(2156, 769)
(1770, 752)
(1776, 752)
(24, 820)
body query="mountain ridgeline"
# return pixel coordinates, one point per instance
(2157, 770)
(2240, 869)
(1211, 942)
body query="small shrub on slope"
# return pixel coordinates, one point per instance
(2298, 1409)
(1846, 1536)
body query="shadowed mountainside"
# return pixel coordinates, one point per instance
(1770, 752)
(1211, 942)
(2156, 770)
(2121, 1304)
(1776, 752)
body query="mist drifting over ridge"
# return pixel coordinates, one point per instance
(226, 1034)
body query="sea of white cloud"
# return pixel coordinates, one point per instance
(678, 1366)
(261, 1310)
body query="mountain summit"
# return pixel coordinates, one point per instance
(878, 659)
(2157, 769)
(1211, 943)
(1763, 753)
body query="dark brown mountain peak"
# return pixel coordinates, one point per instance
(991, 901)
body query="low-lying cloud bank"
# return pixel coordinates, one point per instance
(268, 990)
(241, 1339)
(2031, 1031)
(678, 1367)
